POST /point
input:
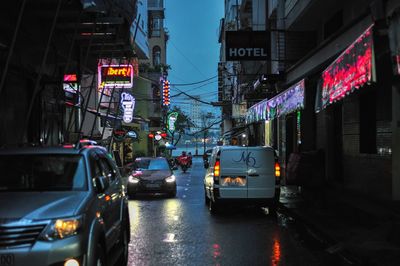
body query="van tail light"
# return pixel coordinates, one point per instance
(217, 168)
(277, 171)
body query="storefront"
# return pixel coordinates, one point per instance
(353, 107)
(279, 120)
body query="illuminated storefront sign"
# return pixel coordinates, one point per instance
(132, 134)
(171, 121)
(115, 76)
(70, 83)
(166, 91)
(284, 103)
(128, 105)
(351, 70)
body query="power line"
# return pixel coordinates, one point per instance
(186, 58)
(194, 83)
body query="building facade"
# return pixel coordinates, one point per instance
(43, 100)
(332, 93)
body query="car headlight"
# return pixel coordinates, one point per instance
(133, 180)
(170, 179)
(62, 228)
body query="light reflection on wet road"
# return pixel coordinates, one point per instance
(181, 231)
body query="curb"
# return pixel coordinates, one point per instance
(326, 243)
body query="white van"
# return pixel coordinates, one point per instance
(236, 175)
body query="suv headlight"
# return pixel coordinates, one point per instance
(170, 179)
(62, 228)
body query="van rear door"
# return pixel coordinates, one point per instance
(260, 172)
(233, 182)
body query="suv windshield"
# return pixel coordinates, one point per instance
(42, 173)
(152, 164)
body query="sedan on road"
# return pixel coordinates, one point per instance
(151, 175)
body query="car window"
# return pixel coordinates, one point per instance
(51, 172)
(107, 169)
(95, 167)
(152, 164)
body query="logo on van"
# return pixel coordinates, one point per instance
(248, 159)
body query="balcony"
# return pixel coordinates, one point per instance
(156, 7)
(272, 7)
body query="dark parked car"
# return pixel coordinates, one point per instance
(62, 206)
(152, 175)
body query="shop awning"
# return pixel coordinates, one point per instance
(354, 68)
(284, 103)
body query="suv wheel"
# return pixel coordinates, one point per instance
(123, 259)
(100, 259)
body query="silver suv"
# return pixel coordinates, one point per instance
(62, 206)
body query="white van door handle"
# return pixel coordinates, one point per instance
(252, 172)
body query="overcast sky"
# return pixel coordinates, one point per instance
(193, 48)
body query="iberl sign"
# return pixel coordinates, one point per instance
(115, 76)
(247, 45)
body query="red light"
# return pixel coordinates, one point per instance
(70, 78)
(69, 146)
(216, 169)
(151, 136)
(277, 170)
(164, 135)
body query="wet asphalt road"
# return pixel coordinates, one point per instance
(181, 231)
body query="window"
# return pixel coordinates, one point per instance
(156, 55)
(156, 26)
(50, 172)
(152, 164)
(95, 167)
(108, 169)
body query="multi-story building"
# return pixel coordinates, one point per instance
(48, 49)
(236, 79)
(195, 113)
(333, 85)
(153, 70)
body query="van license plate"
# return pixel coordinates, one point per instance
(6, 259)
(236, 181)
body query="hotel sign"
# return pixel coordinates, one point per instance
(247, 45)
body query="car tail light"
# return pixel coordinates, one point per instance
(277, 170)
(217, 169)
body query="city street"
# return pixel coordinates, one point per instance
(181, 231)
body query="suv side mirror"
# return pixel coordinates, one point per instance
(102, 184)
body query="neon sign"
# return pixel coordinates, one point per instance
(128, 105)
(70, 83)
(350, 71)
(171, 121)
(284, 103)
(115, 76)
(166, 98)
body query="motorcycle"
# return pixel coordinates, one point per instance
(184, 162)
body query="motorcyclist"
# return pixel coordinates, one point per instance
(183, 161)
